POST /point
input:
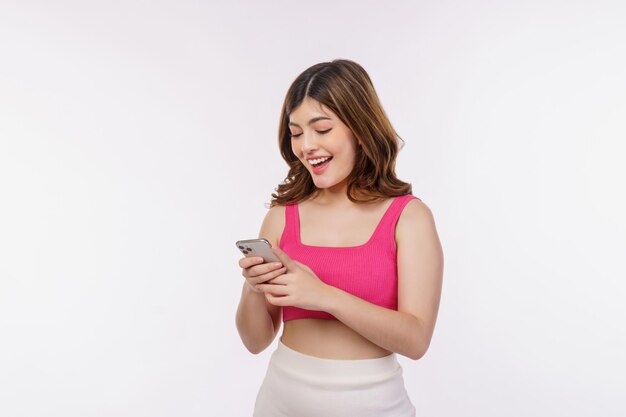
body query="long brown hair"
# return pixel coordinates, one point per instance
(346, 89)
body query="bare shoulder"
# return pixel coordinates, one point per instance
(273, 224)
(416, 218)
(416, 210)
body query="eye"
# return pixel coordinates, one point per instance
(321, 132)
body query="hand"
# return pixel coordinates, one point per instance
(256, 272)
(299, 287)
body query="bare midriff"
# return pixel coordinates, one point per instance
(329, 339)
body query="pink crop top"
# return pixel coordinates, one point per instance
(368, 271)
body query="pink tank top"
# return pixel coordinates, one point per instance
(368, 271)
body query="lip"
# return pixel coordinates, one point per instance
(321, 168)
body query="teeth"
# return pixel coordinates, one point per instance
(318, 160)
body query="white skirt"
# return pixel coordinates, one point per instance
(299, 385)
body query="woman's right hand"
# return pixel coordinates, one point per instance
(256, 272)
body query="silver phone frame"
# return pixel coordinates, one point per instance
(257, 247)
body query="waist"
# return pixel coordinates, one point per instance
(329, 339)
(299, 363)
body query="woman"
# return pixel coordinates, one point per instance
(361, 265)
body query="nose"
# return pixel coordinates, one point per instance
(308, 143)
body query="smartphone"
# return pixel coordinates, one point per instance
(257, 247)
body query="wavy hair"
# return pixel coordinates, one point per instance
(346, 89)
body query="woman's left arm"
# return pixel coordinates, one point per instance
(409, 330)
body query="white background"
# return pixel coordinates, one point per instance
(138, 141)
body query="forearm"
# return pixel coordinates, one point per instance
(393, 330)
(253, 321)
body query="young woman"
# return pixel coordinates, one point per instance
(361, 265)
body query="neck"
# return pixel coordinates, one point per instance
(336, 195)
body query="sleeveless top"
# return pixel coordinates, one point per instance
(368, 271)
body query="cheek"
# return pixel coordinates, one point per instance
(350, 149)
(352, 158)
(296, 151)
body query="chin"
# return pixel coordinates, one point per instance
(322, 184)
(327, 184)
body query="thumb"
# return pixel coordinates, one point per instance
(283, 257)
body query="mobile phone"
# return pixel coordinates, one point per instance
(257, 247)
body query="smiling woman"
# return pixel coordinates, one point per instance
(338, 96)
(366, 284)
(323, 141)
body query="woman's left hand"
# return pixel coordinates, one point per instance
(298, 287)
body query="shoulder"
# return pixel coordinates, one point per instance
(273, 224)
(416, 218)
(415, 210)
(418, 245)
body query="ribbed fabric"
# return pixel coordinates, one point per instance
(368, 271)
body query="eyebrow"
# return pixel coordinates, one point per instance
(313, 120)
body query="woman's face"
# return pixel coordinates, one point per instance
(323, 143)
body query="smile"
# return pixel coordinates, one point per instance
(321, 166)
(319, 161)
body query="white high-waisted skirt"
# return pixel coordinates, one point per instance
(299, 385)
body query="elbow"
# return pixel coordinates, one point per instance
(255, 350)
(418, 349)
(255, 343)
(255, 346)
(415, 354)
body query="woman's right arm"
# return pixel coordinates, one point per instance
(258, 321)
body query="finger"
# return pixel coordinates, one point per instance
(247, 262)
(265, 278)
(265, 268)
(277, 301)
(283, 257)
(275, 290)
(258, 271)
(279, 280)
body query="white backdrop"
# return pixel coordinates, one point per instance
(138, 142)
